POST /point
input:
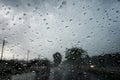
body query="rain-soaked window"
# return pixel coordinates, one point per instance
(59, 39)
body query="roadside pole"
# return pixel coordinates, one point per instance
(3, 44)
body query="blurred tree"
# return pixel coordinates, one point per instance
(75, 61)
(107, 60)
(75, 55)
(57, 58)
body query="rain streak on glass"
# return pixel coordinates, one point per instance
(59, 40)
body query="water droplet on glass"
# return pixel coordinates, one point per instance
(29, 4)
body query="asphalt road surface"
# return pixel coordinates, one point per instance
(60, 74)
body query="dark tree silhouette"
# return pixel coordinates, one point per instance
(75, 58)
(110, 59)
(57, 58)
(75, 54)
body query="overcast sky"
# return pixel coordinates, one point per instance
(47, 26)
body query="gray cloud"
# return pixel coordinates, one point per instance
(45, 26)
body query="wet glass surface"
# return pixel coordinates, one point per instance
(59, 39)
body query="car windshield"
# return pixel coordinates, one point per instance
(59, 39)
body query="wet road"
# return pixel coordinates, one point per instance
(60, 74)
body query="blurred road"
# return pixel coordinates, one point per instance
(61, 74)
(64, 74)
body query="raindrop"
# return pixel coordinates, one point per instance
(40, 45)
(79, 24)
(6, 23)
(103, 18)
(70, 20)
(29, 4)
(108, 40)
(60, 6)
(46, 23)
(37, 32)
(97, 21)
(4, 8)
(17, 5)
(36, 8)
(48, 27)
(110, 19)
(49, 41)
(13, 34)
(102, 26)
(62, 21)
(64, 3)
(6, 63)
(91, 32)
(25, 32)
(114, 21)
(66, 26)
(72, 70)
(46, 13)
(88, 36)
(24, 14)
(41, 15)
(117, 11)
(37, 38)
(31, 40)
(118, 0)
(9, 8)
(44, 19)
(73, 4)
(78, 42)
(98, 9)
(83, 7)
(20, 18)
(7, 12)
(109, 24)
(84, 13)
(3, 29)
(14, 24)
(9, 29)
(91, 19)
(74, 34)
(2, 5)
(29, 26)
(105, 10)
(113, 8)
(117, 17)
